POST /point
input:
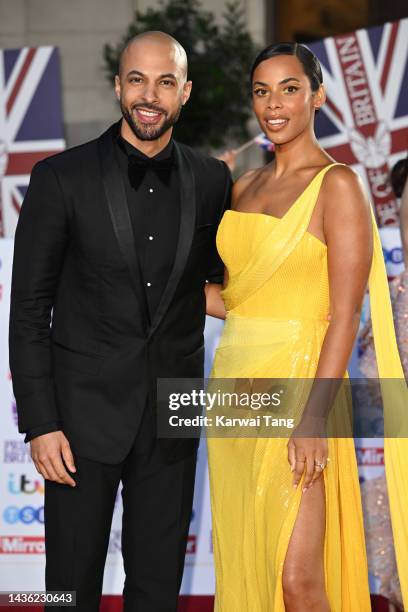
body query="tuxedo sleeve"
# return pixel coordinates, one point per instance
(42, 430)
(40, 242)
(216, 268)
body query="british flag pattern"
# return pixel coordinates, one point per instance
(31, 123)
(364, 122)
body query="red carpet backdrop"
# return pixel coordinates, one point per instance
(364, 123)
(31, 124)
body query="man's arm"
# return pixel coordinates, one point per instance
(41, 238)
(41, 430)
(40, 242)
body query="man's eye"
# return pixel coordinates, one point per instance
(135, 80)
(167, 82)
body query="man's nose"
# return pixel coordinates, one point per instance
(150, 93)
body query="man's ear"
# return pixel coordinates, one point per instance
(117, 86)
(187, 91)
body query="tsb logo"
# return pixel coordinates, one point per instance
(394, 255)
(22, 484)
(26, 515)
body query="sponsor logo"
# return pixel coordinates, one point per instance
(394, 256)
(15, 451)
(26, 515)
(370, 456)
(22, 484)
(17, 545)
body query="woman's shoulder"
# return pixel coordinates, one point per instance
(343, 192)
(343, 180)
(341, 176)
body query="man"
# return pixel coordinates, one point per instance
(116, 239)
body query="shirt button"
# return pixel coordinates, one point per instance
(151, 190)
(150, 237)
(149, 284)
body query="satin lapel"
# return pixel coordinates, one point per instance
(186, 232)
(119, 213)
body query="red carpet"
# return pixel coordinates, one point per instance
(202, 603)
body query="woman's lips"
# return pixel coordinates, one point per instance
(274, 125)
(148, 116)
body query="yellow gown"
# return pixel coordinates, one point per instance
(277, 302)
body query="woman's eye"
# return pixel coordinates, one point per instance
(260, 92)
(291, 89)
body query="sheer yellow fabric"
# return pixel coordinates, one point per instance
(395, 410)
(277, 300)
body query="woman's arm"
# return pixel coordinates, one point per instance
(214, 303)
(348, 233)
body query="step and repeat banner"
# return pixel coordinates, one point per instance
(364, 124)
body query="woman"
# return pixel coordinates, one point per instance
(297, 246)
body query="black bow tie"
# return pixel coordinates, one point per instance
(139, 165)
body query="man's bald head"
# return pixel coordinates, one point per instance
(159, 41)
(152, 85)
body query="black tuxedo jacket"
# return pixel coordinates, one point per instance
(82, 350)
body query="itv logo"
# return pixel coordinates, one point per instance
(18, 484)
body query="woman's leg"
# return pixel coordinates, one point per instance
(303, 572)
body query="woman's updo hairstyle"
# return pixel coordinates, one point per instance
(309, 61)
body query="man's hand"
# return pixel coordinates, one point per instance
(47, 452)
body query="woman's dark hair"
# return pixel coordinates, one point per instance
(399, 175)
(309, 61)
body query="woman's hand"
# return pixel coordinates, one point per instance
(307, 456)
(214, 303)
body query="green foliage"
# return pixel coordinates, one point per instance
(220, 57)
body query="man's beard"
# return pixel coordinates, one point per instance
(150, 132)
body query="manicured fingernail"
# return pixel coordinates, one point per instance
(304, 489)
(295, 486)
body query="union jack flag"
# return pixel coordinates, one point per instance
(31, 126)
(364, 122)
